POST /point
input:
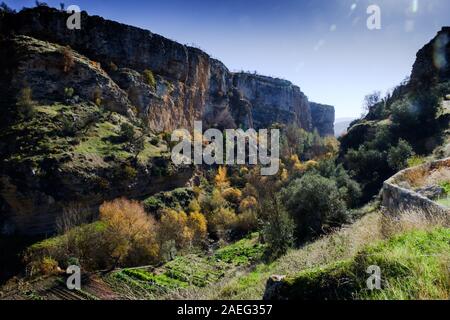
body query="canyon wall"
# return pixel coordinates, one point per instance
(323, 117)
(190, 85)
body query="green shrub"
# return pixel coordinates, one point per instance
(446, 186)
(126, 132)
(278, 229)
(315, 203)
(398, 156)
(149, 78)
(178, 199)
(68, 93)
(415, 161)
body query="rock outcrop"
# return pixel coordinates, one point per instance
(323, 117)
(433, 60)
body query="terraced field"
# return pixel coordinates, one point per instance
(183, 273)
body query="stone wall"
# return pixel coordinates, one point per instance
(398, 198)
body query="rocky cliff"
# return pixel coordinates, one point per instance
(323, 117)
(432, 61)
(83, 86)
(190, 85)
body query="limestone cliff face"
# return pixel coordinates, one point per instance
(190, 85)
(323, 117)
(274, 100)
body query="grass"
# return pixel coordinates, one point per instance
(413, 265)
(320, 256)
(444, 202)
(100, 142)
(250, 284)
(416, 161)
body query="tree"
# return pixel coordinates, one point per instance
(199, 227)
(221, 222)
(315, 203)
(221, 178)
(371, 100)
(130, 233)
(398, 156)
(126, 132)
(173, 226)
(278, 229)
(4, 7)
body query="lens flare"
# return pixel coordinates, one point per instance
(439, 51)
(415, 6)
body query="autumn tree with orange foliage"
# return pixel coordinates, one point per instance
(130, 233)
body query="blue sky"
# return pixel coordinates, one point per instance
(323, 46)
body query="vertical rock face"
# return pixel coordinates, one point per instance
(273, 100)
(433, 60)
(190, 85)
(323, 118)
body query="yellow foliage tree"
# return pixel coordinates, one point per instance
(172, 226)
(222, 221)
(221, 178)
(199, 227)
(130, 232)
(232, 195)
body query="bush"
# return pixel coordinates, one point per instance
(149, 78)
(68, 93)
(25, 104)
(44, 266)
(415, 161)
(126, 132)
(221, 222)
(398, 156)
(278, 230)
(232, 195)
(314, 202)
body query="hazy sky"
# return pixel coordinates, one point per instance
(323, 46)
